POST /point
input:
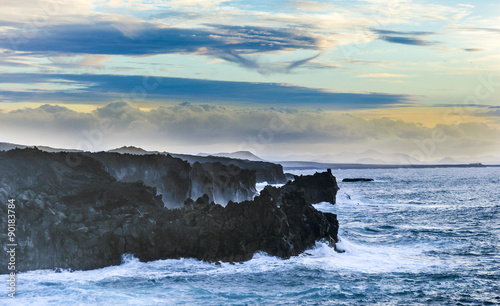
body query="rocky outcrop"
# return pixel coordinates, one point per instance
(236, 232)
(176, 180)
(264, 171)
(89, 219)
(70, 217)
(169, 175)
(320, 187)
(222, 183)
(350, 180)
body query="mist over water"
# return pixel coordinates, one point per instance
(411, 236)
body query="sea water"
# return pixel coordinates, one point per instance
(412, 236)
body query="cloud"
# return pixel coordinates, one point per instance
(17, 62)
(481, 29)
(354, 61)
(306, 5)
(407, 40)
(98, 89)
(230, 43)
(383, 75)
(260, 129)
(414, 38)
(400, 33)
(34, 12)
(493, 112)
(96, 61)
(196, 3)
(224, 29)
(482, 38)
(473, 49)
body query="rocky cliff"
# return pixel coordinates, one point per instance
(265, 171)
(89, 219)
(222, 183)
(320, 187)
(176, 180)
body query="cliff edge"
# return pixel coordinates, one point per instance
(89, 219)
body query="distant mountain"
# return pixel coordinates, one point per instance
(370, 161)
(366, 157)
(239, 155)
(4, 146)
(486, 160)
(448, 161)
(132, 150)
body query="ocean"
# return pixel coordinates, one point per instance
(412, 236)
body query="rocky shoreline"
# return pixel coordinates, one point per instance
(94, 214)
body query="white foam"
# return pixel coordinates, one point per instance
(87, 286)
(369, 258)
(304, 171)
(260, 186)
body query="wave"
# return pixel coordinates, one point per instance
(260, 186)
(357, 258)
(175, 280)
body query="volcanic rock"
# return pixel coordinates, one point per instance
(350, 180)
(72, 214)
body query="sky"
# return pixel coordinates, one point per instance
(316, 80)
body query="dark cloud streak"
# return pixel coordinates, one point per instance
(230, 43)
(413, 38)
(101, 89)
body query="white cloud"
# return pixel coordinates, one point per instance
(37, 14)
(196, 127)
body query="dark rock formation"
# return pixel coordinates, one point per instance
(320, 187)
(236, 232)
(169, 175)
(71, 217)
(88, 219)
(176, 180)
(222, 183)
(289, 176)
(264, 171)
(349, 180)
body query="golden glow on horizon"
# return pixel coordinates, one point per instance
(427, 116)
(81, 108)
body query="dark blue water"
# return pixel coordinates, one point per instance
(413, 236)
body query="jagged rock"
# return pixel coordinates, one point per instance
(222, 183)
(264, 171)
(88, 219)
(348, 180)
(289, 176)
(320, 187)
(176, 180)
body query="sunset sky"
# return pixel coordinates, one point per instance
(278, 78)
